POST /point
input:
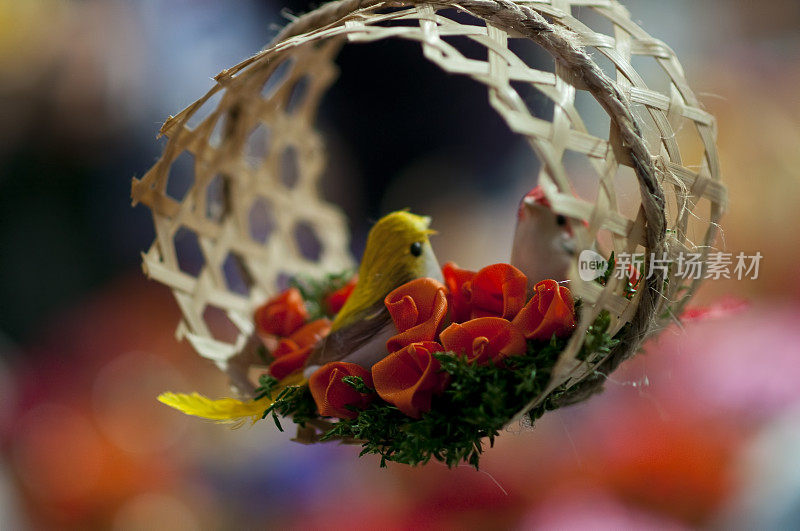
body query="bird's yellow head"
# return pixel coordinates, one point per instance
(397, 251)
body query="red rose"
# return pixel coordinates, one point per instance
(498, 290)
(292, 361)
(457, 281)
(417, 309)
(410, 377)
(335, 300)
(550, 311)
(292, 352)
(281, 315)
(483, 339)
(311, 333)
(332, 395)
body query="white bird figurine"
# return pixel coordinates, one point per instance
(544, 244)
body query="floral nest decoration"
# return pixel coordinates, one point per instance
(411, 360)
(439, 390)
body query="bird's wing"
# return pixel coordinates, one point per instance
(340, 343)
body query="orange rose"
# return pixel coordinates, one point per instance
(410, 377)
(292, 352)
(550, 311)
(334, 301)
(417, 309)
(498, 290)
(309, 334)
(281, 315)
(292, 361)
(456, 280)
(483, 339)
(332, 395)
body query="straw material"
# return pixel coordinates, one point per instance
(658, 137)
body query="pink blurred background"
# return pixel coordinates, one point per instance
(700, 431)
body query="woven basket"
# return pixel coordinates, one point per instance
(253, 205)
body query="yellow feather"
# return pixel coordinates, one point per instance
(227, 410)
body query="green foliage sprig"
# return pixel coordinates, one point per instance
(266, 386)
(295, 401)
(477, 403)
(315, 290)
(630, 284)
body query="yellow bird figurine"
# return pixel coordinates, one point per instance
(398, 250)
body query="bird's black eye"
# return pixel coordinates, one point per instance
(561, 220)
(416, 248)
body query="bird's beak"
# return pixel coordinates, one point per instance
(531, 205)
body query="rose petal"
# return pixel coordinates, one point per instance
(417, 309)
(550, 311)
(292, 352)
(483, 339)
(404, 312)
(332, 395)
(286, 346)
(290, 362)
(410, 377)
(281, 315)
(309, 334)
(498, 290)
(456, 280)
(336, 299)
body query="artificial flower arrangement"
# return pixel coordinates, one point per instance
(466, 354)
(445, 366)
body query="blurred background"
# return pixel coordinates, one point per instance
(701, 431)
